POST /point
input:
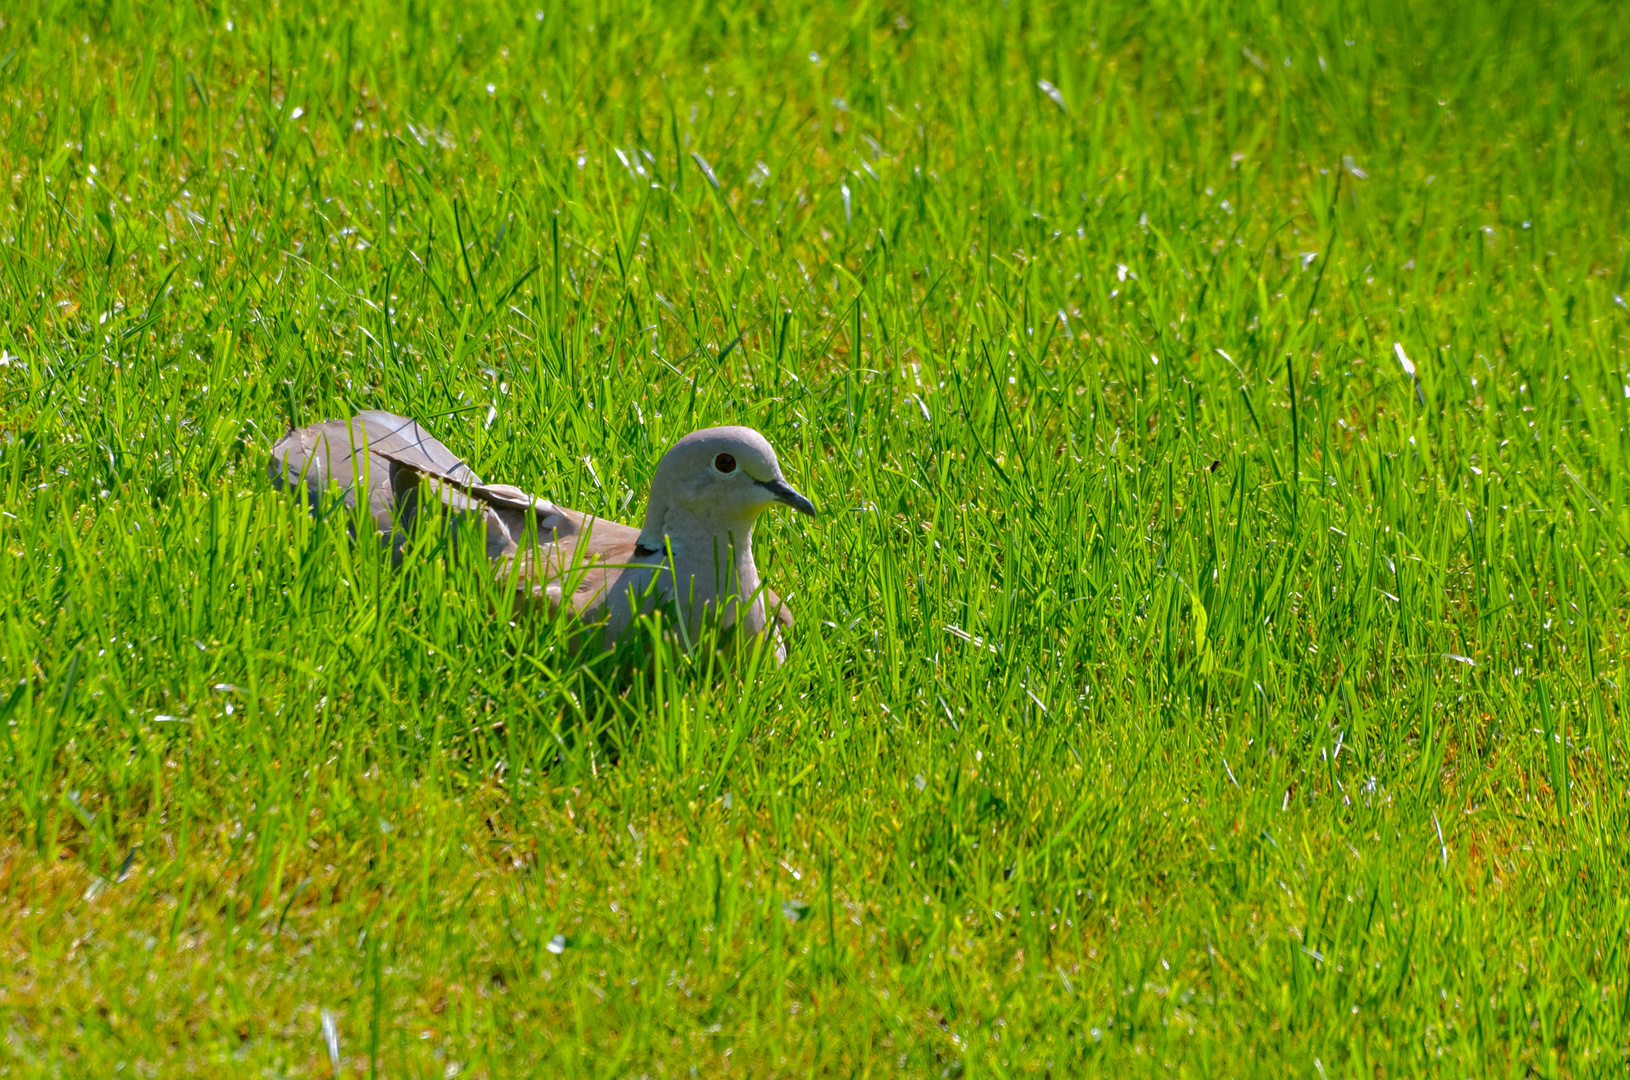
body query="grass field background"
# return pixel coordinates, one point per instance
(1180, 686)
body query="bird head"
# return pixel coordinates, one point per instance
(719, 480)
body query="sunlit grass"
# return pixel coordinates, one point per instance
(1179, 685)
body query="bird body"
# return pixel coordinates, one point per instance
(693, 555)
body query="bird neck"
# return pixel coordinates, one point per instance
(711, 550)
(714, 560)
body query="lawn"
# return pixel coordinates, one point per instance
(1211, 649)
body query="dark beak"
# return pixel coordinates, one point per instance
(784, 494)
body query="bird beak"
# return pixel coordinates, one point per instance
(783, 493)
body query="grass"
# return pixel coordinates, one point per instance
(1180, 687)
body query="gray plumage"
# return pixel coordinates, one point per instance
(694, 552)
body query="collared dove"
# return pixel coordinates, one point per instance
(695, 550)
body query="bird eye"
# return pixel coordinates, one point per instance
(725, 463)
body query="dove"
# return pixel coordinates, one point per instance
(693, 554)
